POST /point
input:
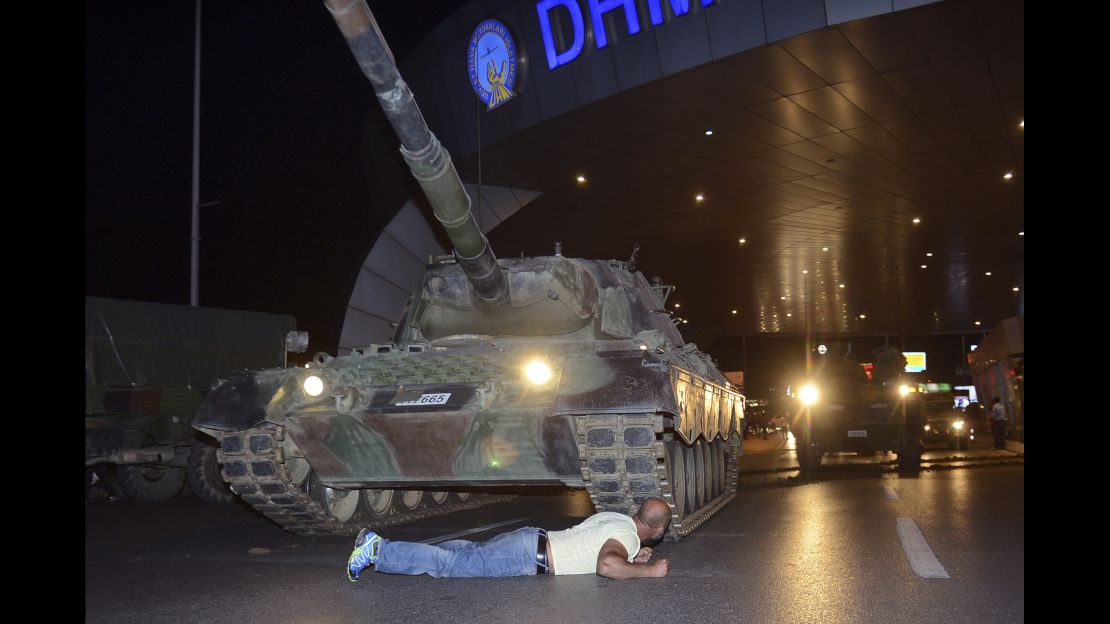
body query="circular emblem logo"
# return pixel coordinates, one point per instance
(491, 59)
(822, 349)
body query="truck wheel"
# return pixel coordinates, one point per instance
(150, 484)
(808, 459)
(204, 474)
(909, 459)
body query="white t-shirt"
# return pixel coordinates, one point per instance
(575, 550)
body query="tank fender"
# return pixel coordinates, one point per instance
(234, 405)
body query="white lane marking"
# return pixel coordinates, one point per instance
(444, 538)
(924, 563)
(890, 493)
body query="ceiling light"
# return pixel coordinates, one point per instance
(581, 178)
(1022, 124)
(1007, 175)
(988, 273)
(789, 314)
(699, 197)
(805, 271)
(684, 321)
(678, 305)
(743, 240)
(917, 219)
(824, 249)
(928, 254)
(1021, 233)
(924, 266)
(840, 286)
(977, 323)
(863, 316)
(1015, 288)
(734, 311)
(709, 132)
(783, 298)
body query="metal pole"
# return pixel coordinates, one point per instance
(194, 264)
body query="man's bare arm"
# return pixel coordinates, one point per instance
(612, 562)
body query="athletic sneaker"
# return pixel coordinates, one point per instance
(367, 550)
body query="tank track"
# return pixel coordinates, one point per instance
(255, 467)
(625, 460)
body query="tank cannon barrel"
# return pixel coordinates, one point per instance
(429, 162)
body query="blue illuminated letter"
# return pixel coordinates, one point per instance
(679, 7)
(555, 59)
(598, 7)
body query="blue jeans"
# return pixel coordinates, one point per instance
(508, 554)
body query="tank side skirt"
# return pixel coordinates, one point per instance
(255, 466)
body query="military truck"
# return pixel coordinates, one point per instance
(148, 366)
(843, 411)
(519, 372)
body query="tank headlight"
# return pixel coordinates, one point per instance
(903, 389)
(959, 424)
(313, 386)
(538, 372)
(808, 394)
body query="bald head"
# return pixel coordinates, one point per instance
(655, 513)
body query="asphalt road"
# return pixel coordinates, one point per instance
(783, 551)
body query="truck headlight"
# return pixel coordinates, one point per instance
(808, 394)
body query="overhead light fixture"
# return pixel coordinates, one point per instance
(699, 197)
(581, 178)
(678, 305)
(789, 314)
(863, 316)
(805, 271)
(734, 311)
(1022, 233)
(783, 297)
(840, 286)
(684, 321)
(824, 249)
(1022, 124)
(743, 240)
(988, 273)
(1007, 175)
(924, 266)
(709, 132)
(917, 219)
(1015, 289)
(977, 323)
(928, 254)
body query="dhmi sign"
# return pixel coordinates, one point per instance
(596, 9)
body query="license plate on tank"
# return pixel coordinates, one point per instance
(434, 398)
(858, 433)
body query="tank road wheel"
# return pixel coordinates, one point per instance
(702, 476)
(692, 489)
(438, 498)
(377, 503)
(339, 504)
(461, 497)
(410, 499)
(204, 474)
(150, 484)
(678, 476)
(719, 461)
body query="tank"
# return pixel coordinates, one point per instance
(514, 372)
